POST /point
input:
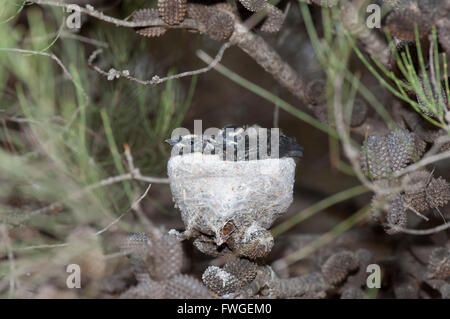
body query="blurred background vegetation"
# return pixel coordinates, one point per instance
(58, 135)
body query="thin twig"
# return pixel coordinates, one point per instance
(116, 74)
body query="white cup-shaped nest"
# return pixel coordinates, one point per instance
(211, 192)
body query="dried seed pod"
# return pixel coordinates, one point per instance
(253, 5)
(401, 145)
(167, 257)
(439, 263)
(374, 155)
(359, 113)
(185, 287)
(138, 246)
(309, 285)
(414, 186)
(438, 192)
(145, 289)
(199, 12)
(407, 289)
(396, 215)
(398, 22)
(338, 266)
(220, 281)
(153, 32)
(144, 15)
(274, 21)
(220, 25)
(243, 269)
(383, 155)
(352, 293)
(254, 242)
(172, 11)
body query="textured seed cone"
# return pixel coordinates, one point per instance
(144, 15)
(199, 12)
(438, 192)
(220, 25)
(406, 289)
(220, 281)
(153, 32)
(185, 287)
(401, 148)
(374, 157)
(138, 246)
(400, 23)
(338, 266)
(352, 293)
(243, 269)
(145, 289)
(172, 11)
(439, 263)
(383, 155)
(254, 245)
(396, 215)
(274, 20)
(359, 113)
(414, 186)
(167, 258)
(253, 5)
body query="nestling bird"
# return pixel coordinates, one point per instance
(239, 143)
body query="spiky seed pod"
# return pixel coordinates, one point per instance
(253, 5)
(398, 22)
(199, 12)
(383, 155)
(225, 7)
(407, 289)
(145, 289)
(414, 186)
(374, 155)
(243, 269)
(167, 257)
(138, 246)
(359, 113)
(274, 20)
(338, 266)
(401, 146)
(153, 32)
(220, 281)
(220, 25)
(352, 293)
(438, 192)
(172, 11)
(396, 215)
(185, 287)
(439, 263)
(253, 243)
(144, 15)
